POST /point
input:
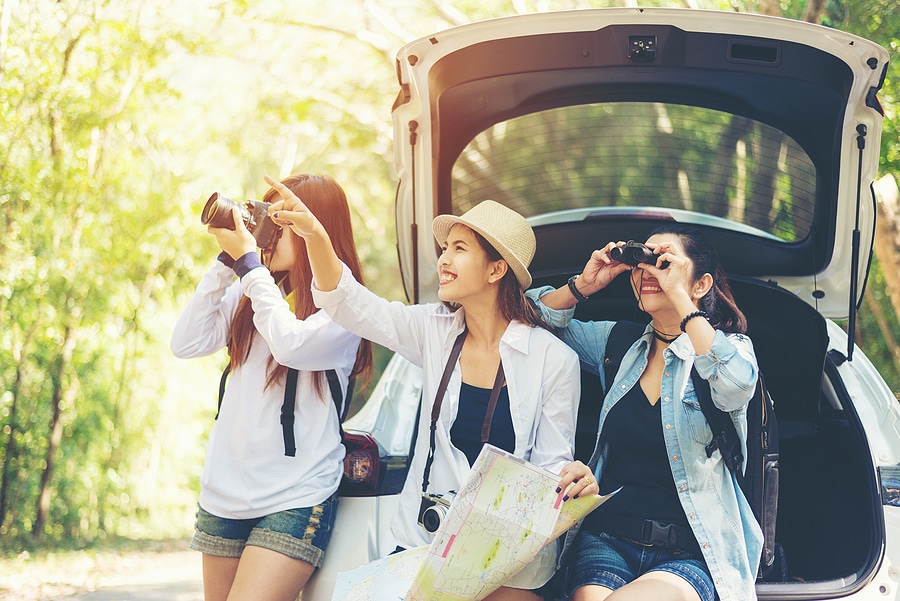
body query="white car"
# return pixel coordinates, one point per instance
(599, 125)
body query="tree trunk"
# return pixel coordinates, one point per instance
(886, 331)
(770, 7)
(765, 151)
(814, 11)
(43, 506)
(887, 243)
(10, 451)
(723, 170)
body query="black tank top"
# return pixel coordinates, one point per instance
(637, 461)
(465, 433)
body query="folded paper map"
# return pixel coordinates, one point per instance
(505, 514)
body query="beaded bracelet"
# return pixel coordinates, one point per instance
(575, 292)
(692, 315)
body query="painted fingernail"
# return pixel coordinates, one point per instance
(558, 490)
(275, 215)
(575, 497)
(566, 498)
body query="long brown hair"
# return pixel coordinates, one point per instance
(719, 303)
(327, 201)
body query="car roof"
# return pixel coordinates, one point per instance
(814, 86)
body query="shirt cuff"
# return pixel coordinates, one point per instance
(721, 351)
(225, 259)
(246, 263)
(557, 318)
(323, 300)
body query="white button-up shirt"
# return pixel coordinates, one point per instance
(542, 376)
(246, 473)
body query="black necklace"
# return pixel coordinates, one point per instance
(659, 336)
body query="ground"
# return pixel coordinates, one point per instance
(148, 571)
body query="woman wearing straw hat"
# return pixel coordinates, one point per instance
(483, 271)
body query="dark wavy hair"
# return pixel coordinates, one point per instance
(719, 302)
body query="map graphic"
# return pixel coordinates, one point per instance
(387, 578)
(504, 516)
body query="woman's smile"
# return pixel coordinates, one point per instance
(650, 286)
(445, 277)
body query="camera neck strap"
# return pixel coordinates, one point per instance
(439, 399)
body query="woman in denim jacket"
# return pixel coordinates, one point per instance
(651, 437)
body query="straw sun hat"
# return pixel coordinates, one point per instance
(504, 229)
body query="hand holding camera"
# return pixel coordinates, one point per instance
(218, 211)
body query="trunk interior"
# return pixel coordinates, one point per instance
(830, 523)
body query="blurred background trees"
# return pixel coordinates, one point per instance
(119, 119)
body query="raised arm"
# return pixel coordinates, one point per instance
(598, 272)
(291, 212)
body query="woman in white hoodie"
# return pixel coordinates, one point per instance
(506, 353)
(267, 502)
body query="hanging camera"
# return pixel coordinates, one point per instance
(433, 509)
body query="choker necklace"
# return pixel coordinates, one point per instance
(659, 336)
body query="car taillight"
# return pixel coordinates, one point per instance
(361, 466)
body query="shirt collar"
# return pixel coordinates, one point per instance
(516, 336)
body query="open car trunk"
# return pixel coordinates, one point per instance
(598, 125)
(829, 516)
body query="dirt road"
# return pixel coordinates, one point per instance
(160, 577)
(152, 572)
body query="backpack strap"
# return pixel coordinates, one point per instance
(287, 405)
(222, 388)
(621, 337)
(287, 413)
(725, 437)
(335, 385)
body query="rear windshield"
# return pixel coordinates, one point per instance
(706, 166)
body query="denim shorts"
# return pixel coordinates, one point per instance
(613, 562)
(300, 533)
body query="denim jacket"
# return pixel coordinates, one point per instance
(717, 511)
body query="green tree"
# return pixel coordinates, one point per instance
(120, 118)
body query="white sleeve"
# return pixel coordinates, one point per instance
(399, 327)
(312, 344)
(205, 324)
(560, 395)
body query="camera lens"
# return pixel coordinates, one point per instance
(217, 211)
(433, 516)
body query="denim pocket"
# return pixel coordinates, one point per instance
(700, 430)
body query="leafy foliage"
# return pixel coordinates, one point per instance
(120, 118)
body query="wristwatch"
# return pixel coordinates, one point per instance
(575, 292)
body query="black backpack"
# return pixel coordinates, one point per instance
(760, 482)
(287, 407)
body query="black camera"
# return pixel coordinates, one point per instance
(433, 509)
(254, 213)
(634, 253)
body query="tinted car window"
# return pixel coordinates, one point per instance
(629, 155)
